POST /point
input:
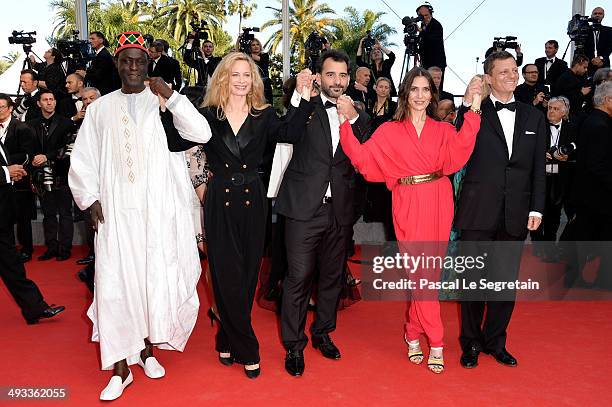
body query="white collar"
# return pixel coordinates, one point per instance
(6, 123)
(100, 49)
(157, 59)
(325, 99)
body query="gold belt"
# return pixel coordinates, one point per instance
(419, 179)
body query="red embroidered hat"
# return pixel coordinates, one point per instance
(130, 39)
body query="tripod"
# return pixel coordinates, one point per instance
(27, 64)
(410, 52)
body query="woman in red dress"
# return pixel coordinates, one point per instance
(412, 155)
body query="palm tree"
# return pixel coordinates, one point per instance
(353, 27)
(305, 16)
(11, 57)
(179, 14)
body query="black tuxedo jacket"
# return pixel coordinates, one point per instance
(570, 85)
(102, 73)
(166, 69)
(593, 187)
(432, 45)
(67, 107)
(604, 47)
(500, 189)
(313, 167)
(554, 72)
(52, 143)
(20, 145)
(7, 199)
(562, 183)
(203, 68)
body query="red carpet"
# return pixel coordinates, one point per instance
(562, 348)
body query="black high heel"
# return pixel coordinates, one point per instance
(213, 317)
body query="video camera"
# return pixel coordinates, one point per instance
(24, 38)
(507, 42)
(368, 44)
(200, 32)
(578, 29)
(314, 46)
(77, 52)
(244, 41)
(411, 34)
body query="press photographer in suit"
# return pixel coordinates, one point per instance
(598, 44)
(502, 198)
(202, 59)
(550, 67)
(18, 139)
(26, 108)
(54, 133)
(432, 40)
(102, 73)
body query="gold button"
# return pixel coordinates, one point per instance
(244, 166)
(227, 203)
(246, 190)
(248, 203)
(226, 165)
(227, 190)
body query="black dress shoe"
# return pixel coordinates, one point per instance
(226, 361)
(63, 256)
(326, 346)
(85, 260)
(25, 257)
(48, 255)
(48, 313)
(503, 357)
(294, 362)
(469, 358)
(252, 374)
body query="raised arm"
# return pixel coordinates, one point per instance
(460, 144)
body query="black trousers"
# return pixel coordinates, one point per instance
(318, 243)
(58, 234)
(489, 333)
(25, 212)
(24, 291)
(552, 212)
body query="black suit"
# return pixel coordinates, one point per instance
(553, 74)
(102, 73)
(558, 184)
(19, 142)
(67, 107)
(361, 96)
(193, 58)
(432, 45)
(316, 233)
(570, 85)
(603, 46)
(52, 141)
(497, 195)
(166, 69)
(24, 291)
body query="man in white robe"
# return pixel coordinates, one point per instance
(139, 194)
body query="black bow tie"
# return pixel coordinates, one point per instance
(329, 105)
(510, 106)
(556, 126)
(550, 60)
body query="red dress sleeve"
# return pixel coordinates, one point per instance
(362, 156)
(459, 145)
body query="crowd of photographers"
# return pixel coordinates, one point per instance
(47, 115)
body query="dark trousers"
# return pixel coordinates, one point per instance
(552, 212)
(490, 334)
(24, 291)
(25, 212)
(58, 235)
(318, 243)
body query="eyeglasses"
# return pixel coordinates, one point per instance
(531, 72)
(3, 107)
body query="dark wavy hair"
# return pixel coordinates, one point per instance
(403, 110)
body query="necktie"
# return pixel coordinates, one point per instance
(510, 106)
(329, 105)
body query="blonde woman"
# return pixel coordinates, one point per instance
(235, 204)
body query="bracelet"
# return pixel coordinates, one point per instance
(477, 111)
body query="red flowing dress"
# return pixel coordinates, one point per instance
(421, 212)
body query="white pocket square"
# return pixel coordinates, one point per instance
(529, 132)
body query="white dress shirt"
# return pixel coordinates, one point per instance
(554, 142)
(506, 118)
(334, 125)
(547, 65)
(4, 169)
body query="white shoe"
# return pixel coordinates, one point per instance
(152, 368)
(114, 388)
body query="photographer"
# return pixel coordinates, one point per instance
(51, 163)
(530, 91)
(71, 106)
(378, 64)
(572, 84)
(560, 160)
(102, 72)
(50, 73)
(201, 59)
(262, 60)
(598, 45)
(176, 65)
(431, 50)
(162, 66)
(27, 109)
(550, 67)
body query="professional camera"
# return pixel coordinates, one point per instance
(578, 30)
(77, 52)
(314, 46)
(411, 34)
(502, 43)
(244, 40)
(43, 179)
(565, 149)
(200, 31)
(368, 44)
(20, 37)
